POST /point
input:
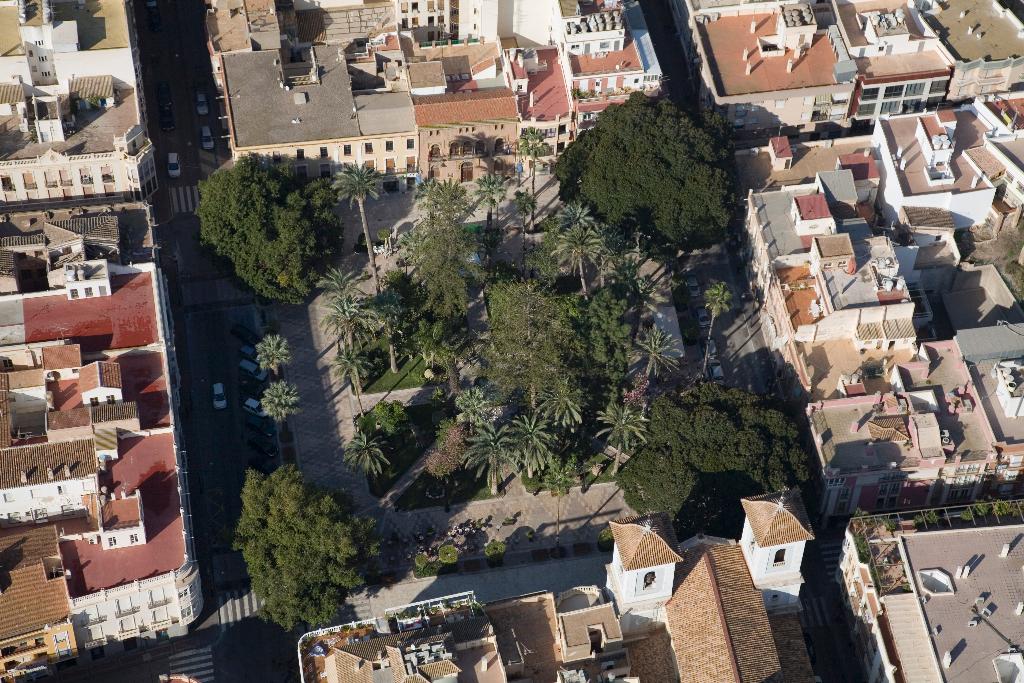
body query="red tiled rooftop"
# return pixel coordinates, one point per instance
(483, 105)
(812, 207)
(724, 40)
(121, 513)
(863, 166)
(143, 381)
(62, 356)
(146, 464)
(627, 59)
(931, 124)
(781, 147)
(125, 319)
(550, 98)
(100, 374)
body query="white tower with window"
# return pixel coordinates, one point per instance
(774, 533)
(642, 570)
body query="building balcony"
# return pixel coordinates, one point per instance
(122, 613)
(96, 619)
(159, 603)
(128, 633)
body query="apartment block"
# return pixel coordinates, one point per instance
(299, 108)
(537, 77)
(88, 440)
(986, 42)
(901, 66)
(72, 122)
(931, 595)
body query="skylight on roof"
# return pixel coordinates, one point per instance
(936, 582)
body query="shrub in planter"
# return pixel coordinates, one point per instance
(423, 566)
(495, 552)
(981, 509)
(447, 554)
(1001, 508)
(605, 540)
(967, 515)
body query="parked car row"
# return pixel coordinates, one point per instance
(260, 431)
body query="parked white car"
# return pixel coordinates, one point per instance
(205, 138)
(220, 400)
(173, 165)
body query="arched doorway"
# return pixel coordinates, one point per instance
(466, 171)
(434, 173)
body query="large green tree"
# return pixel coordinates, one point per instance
(530, 339)
(276, 230)
(706, 447)
(606, 339)
(650, 167)
(304, 550)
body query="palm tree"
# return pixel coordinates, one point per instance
(387, 307)
(364, 453)
(356, 183)
(338, 283)
(532, 437)
(447, 198)
(350, 364)
(280, 400)
(491, 451)
(625, 427)
(350, 320)
(574, 214)
(476, 407)
(658, 350)
(575, 247)
(718, 300)
(559, 480)
(491, 190)
(272, 352)
(525, 204)
(532, 147)
(562, 404)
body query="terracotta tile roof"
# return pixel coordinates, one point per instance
(986, 162)
(61, 356)
(888, 428)
(645, 541)
(435, 670)
(92, 86)
(812, 206)
(5, 419)
(99, 374)
(494, 104)
(310, 26)
(789, 643)
(23, 379)
(68, 419)
(781, 147)
(344, 667)
(716, 618)
(115, 412)
(778, 518)
(34, 463)
(929, 217)
(11, 93)
(29, 599)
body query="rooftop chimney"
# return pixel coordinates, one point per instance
(24, 476)
(746, 53)
(1005, 550)
(753, 26)
(1019, 609)
(67, 471)
(789, 66)
(974, 181)
(49, 473)
(903, 164)
(947, 659)
(750, 67)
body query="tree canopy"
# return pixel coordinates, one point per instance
(648, 165)
(303, 548)
(706, 448)
(277, 230)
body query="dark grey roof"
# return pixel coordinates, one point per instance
(31, 240)
(838, 186)
(264, 113)
(997, 342)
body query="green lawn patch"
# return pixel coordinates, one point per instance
(409, 375)
(403, 450)
(462, 487)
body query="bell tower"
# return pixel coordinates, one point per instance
(642, 571)
(775, 531)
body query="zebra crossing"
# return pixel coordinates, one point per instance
(184, 198)
(831, 552)
(814, 612)
(235, 606)
(196, 664)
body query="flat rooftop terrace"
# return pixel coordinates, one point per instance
(146, 464)
(102, 24)
(1008, 430)
(999, 39)
(125, 319)
(724, 39)
(94, 133)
